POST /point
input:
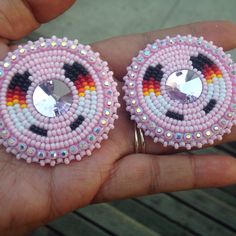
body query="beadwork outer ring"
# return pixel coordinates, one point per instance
(169, 121)
(52, 140)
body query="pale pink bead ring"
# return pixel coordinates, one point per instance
(181, 91)
(58, 101)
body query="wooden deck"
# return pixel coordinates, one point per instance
(199, 212)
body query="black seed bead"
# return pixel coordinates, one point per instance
(206, 59)
(174, 115)
(66, 66)
(27, 74)
(211, 104)
(200, 61)
(154, 72)
(74, 70)
(79, 68)
(77, 122)
(20, 80)
(38, 130)
(69, 74)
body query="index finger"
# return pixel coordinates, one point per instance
(118, 51)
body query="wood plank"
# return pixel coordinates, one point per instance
(230, 189)
(153, 220)
(229, 148)
(73, 225)
(209, 150)
(185, 215)
(222, 195)
(44, 231)
(210, 206)
(115, 221)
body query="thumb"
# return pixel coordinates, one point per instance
(20, 17)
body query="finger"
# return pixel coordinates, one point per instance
(119, 51)
(40, 8)
(138, 175)
(4, 49)
(18, 17)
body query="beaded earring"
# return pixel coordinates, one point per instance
(58, 101)
(181, 91)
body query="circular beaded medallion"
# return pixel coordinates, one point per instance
(58, 101)
(181, 91)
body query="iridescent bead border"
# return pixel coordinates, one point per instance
(44, 60)
(204, 120)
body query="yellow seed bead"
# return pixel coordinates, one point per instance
(209, 81)
(219, 76)
(146, 93)
(15, 101)
(81, 94)
(157, 93)
(92, 88)
(86, 87)
(151, 90)
(23, 106)
(9, 103)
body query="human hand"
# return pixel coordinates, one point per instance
(31, 195)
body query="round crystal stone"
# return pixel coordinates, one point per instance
(52, 98)
(184, 86)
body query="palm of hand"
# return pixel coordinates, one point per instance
(38, 194)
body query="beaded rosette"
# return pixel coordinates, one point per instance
(58, 101)
(181, 91)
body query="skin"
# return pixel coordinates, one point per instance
(31, 195)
